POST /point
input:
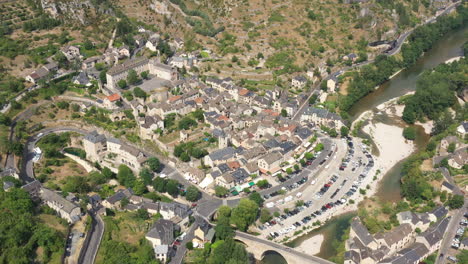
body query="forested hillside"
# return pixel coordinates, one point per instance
(23, 238)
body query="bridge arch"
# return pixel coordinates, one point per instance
(270, 251)
(259, 248)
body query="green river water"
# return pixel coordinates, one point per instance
(389, 189)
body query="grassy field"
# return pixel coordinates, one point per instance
(57, 175)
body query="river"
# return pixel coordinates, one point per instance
(404, 82)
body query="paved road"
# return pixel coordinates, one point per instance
(453, 226)
(399, 43)
(281, 247)
(402, 38)
(92, 248)
(450, 233)
(27, 167)
(182, 249)
(206, 206)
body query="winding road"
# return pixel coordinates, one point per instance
(399, 43)
(207, 204)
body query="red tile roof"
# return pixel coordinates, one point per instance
(271, 112)
(174, 98)
(243, 91)
(113, 97)
(223, 117)
(233, 165)
(199, 100)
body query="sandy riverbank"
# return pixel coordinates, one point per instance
(392, 146)
(312, 245)
(453, 59)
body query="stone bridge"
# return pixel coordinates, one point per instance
(258, 247)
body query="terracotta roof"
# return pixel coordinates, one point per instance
(174, 98)
(113, 97)
(199, 100)
(223, 117)
(233, 165)
(271, 112)
(243, 91)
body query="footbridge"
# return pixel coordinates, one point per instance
(258, 247)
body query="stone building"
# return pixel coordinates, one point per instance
(64, 208)
(139, 65)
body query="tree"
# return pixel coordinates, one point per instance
(323, 86)
(107, 173)
(456, 202)
(220, 191)
(125, 176)
(431, 146)
(223, 229)
(296, 167)
(16, 148)
(186, 122)
(451, 147)
(103, 78)
(132, 77)
(122, 84)
(138, 92)
(313, 99)
(332, 132)
(22, 233)
(154, 164)
(265, 215)
(303, 162)
(185, 157)
(284, 113)
(146, 175)
(309, 155)
(256, 197)
(139, 187)
(144, 75)
(311, 15)
(5, 120)
(193, 194)
(244, 214)
(344, 131)
(224, 211)
(409, 133)
(289, 171)
(262, 184)
(172, 187)
(88, 44)
(96, 178)
(189, 245)
(159, 184)
(76, 184)
(228, 252)
(142, 214)
(319, 147)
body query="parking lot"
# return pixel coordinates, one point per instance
(457, 240)
(324, 190)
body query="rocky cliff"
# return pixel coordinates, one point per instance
(76, 11)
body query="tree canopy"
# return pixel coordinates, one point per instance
(22, 234)
(125, 176)
(244, 214)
